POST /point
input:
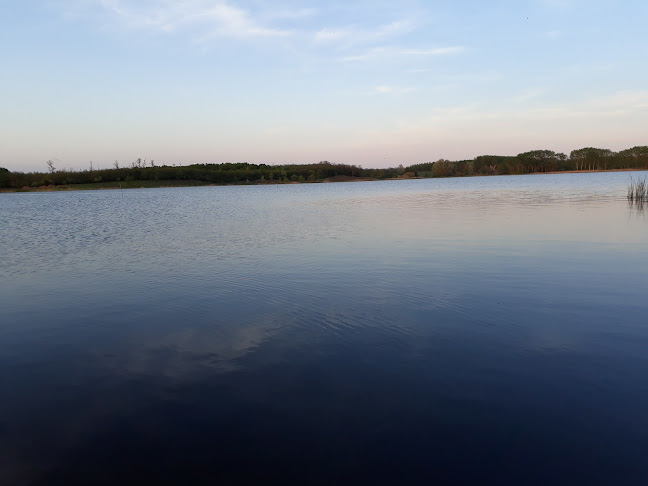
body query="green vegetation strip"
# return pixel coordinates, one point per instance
(146, 174)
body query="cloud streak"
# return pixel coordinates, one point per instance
(386, 90)
(207, 19)
(608, 106)
(352, 35)
(381, 53)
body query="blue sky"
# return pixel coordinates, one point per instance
(370, 83)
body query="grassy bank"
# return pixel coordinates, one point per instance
(109, 185)
(637, 189)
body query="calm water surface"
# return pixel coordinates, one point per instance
(481, 330)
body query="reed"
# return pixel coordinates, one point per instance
(638, 190)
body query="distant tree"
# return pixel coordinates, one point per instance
(5, 180)
(590, 158)
(469, 168)
(441, 168)
(425, 167)
(636, 157)
(539, 160)
(483, 164)
(563, 162)
(50, 166)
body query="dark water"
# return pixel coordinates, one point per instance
(484, 330)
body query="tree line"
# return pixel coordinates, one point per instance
(588, 158)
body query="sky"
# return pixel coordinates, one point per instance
(371, 83)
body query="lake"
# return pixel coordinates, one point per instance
(467, 331)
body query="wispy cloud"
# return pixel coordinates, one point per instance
(352, 35)
(528, 95)
(380, 53)
(627, 100)
(385, 90)
(202, 21)
(483, 76)
(287, 14)
(616, 104)
(205, 18)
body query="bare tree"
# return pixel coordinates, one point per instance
(50, 166)
(116, 164)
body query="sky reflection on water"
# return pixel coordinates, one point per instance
(367, 332)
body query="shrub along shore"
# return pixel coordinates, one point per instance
(143, 173)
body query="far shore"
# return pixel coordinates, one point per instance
(149, 184)
(585, 171)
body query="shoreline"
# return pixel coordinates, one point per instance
(335, 179)
(584, 171)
